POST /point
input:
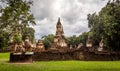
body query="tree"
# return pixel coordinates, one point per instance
(73, 41)
(16, 17)
(96, 24)
(107, 24)
(3, 39)
(83, 37)
(76, 40)
(48, 40)
(17, 38)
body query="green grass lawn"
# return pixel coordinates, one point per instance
(59, 65)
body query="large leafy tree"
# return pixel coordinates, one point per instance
(15, 17)
(96, 24)
(107, 24)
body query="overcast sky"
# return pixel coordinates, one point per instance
(73, 14)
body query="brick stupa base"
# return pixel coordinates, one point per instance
(21, 57)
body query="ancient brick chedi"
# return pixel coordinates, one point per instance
(59, 38)
(39, 46)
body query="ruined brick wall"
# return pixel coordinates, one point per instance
(75, 55)
(53, 55)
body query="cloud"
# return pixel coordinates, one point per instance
(73, 15)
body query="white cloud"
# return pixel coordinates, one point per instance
(73, 15)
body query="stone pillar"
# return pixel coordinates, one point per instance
(101, 45)
(80, 46)
(89, 42)
(40, 46)
(27, 44)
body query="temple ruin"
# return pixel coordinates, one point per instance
(59, 39)
(60, 50)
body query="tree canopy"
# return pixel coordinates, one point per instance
(107, 24)
(16, 17)
(48, 40)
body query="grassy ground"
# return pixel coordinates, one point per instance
(59, 65)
